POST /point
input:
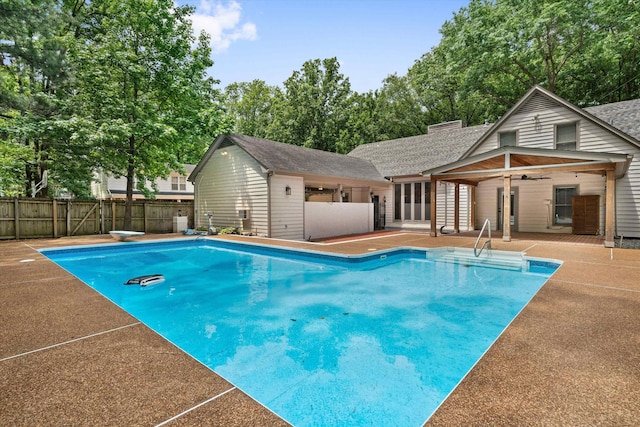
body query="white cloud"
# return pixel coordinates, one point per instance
(222, 21)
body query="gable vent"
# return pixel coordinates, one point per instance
(537, 103)
(456, 124)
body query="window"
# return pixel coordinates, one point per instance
(566, 137)
(407, 201)
(507, 139)
(412, 201)
(427, 201)
(178, 183)
(397, 199)
(417, 201)
(563, 206)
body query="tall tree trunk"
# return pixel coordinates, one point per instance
(128, 205)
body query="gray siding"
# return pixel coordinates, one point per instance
(535, 201)
(287, 211)
(535, 122)
(229, 183)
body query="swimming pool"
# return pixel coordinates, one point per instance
(320, 339)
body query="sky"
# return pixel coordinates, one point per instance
(270, 39)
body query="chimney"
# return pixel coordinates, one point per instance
(444, 126)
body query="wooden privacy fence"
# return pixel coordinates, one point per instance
(36, 218)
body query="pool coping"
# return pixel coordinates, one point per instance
(533, 373)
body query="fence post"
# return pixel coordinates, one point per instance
(68, 217)
(101, 213)
(16, 215)
(144, 215)
(54, 210)
(113, 215)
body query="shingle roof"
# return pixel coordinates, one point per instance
(624, 115)
(403, 156)
(278, 156)
(412, 155)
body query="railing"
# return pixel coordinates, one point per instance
(487, 243)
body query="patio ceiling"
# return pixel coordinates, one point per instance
(510, 161)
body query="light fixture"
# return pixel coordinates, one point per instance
(320, 188)
(287, 190)
(224, 153)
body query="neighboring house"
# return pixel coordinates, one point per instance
(176, 187)
(548, 166)
(566, 169)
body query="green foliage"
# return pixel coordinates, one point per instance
(312, 108)
(249, 104)
(122, 86)
(492, 52)
(12, 158)
(144, 90)
(33, 86)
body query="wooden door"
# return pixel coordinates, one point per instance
(586, 214)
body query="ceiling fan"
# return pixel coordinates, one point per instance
(531, 178)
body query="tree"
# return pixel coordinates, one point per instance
(249, 104)
(311, 110)
(34, 81)
(399, 110)
(143, 90)
(362, 122)
(607, 69)
(439, 83)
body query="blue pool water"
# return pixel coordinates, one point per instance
(320, 340)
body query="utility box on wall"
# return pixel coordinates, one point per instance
(245, 216)
(180, 223)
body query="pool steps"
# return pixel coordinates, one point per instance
(495, 259)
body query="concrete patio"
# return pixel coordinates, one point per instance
(68, 356)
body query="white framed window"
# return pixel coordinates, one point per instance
(508, 139)
(178, 183)
(412, 201)
(567, 136)
(563, 204)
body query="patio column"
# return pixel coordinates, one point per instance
(434, 190)
(472, 205)
(456, 207)
(610, 209)
(506, 210)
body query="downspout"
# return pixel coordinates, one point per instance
(269, 174)
(615, 211)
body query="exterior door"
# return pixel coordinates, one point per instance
(514, 209)
(378, 213)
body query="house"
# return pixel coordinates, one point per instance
(548, 166)
(564, 169)
(175, 187)
(278, 190)
(403, 160)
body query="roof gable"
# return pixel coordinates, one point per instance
(537, 97)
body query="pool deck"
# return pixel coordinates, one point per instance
(68, 356)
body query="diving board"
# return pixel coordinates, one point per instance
(122, 235)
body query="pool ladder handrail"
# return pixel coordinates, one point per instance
(487, 243)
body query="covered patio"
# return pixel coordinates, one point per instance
(505, 163)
